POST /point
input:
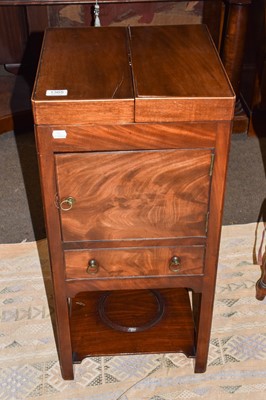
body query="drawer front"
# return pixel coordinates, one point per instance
(134, 262)
(133, 194)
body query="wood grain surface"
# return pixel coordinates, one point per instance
(97, 78)
(132, 136)
(113, 75)
(175, 332)
(138, 194)
(182, 80)
(134, 262)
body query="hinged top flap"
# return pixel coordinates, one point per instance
(114, 75)
(84, 76)
(178, 75)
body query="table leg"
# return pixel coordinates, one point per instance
(232, 52)
(234, 39)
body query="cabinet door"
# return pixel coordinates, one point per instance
(133, 194)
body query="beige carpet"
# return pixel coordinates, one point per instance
(237, 359)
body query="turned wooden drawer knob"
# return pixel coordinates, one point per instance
(175, 264)
(93, 267)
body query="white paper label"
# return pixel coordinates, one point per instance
(57, 92)
(132, 329)
(59, 134)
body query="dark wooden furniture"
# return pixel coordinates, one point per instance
(133, 133)
(28, 18)
(253, 81)
(261, 284)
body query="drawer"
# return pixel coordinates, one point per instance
(134, 194)
(134, 262)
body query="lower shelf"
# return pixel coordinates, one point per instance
(132, 322)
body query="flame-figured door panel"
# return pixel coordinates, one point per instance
(133, 194)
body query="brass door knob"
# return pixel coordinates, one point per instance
(175, 264)
(67, 203)
(93, 267)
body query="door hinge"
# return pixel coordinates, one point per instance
(212, 164)
(56, 200)
(207, 222)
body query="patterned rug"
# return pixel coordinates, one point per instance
(237, 357)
